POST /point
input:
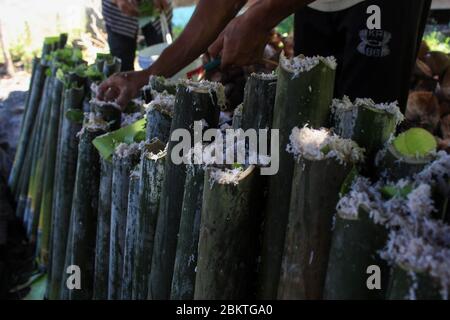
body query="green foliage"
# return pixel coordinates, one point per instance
(437, 41)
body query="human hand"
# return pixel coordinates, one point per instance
(241, 43)
(122, 87)
(128, 7)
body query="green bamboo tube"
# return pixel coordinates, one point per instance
(183, 282)
(35, 63)
(322, 163)
(51, 141)
(315, 193)
(402, 284)
(259, 101)
(194, 102)
(28, 122)
(109, 112)
(159, 118)
(407, 154)
(160, 84)
(36, 178)
(130, 235)
(152, 176)
(227, 250)
(124, 160)
(65, 174)
(81, 239)
(303, 96)
(103, 232)
(369, 124)
(354, 248)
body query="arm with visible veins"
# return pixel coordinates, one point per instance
(239, 41)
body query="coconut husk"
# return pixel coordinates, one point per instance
(445, 127)
(422, 70)
(444, 89)
(444, 144)
(423, 110)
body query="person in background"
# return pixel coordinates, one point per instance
(375, 42)
(122, 27)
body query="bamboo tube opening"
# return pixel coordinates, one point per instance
(301, 64)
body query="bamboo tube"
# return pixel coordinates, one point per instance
(81, 239)
(159, 117)
(160, 84)
(194, 102)
(36, 180)
(124, 159)
(109, 112)
(183, 282)
(152, 176)
(51, 142)
(407, 285)
(65, 175)
(103, 232)
(419, 148)
(28, 122)
(35, 63)
(259, 101)
(228, 235)
(316, 184)
(354, 248)
(356, 241)
(304, 93)
(369, 124)
(237, 117)
(130, 235)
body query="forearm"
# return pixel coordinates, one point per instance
(267, 14)
(208, 20)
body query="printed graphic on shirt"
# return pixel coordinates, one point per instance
(374, 43)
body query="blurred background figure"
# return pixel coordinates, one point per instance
(125, 18)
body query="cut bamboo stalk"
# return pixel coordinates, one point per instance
(228, 241)
(183, 282)
(237, 117)
(36, 179)
(160, 84)
(103, 232)
(124, 160)
(109, 112)
(304, 93)
(407, 155)
(159, 117)
(130, 235)
(27, 127)
(259, 101)
(194, 102)
(369, 124)
(65, 175)
(316, 184)
(354, 248)
(407, 285)
(152, 176)
(81, 240)
(51, 142)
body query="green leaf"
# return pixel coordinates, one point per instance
(390, 192)
(107, 143)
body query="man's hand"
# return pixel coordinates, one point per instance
(161, 5)
(122, 87)
(241, 43)
(128, 7)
